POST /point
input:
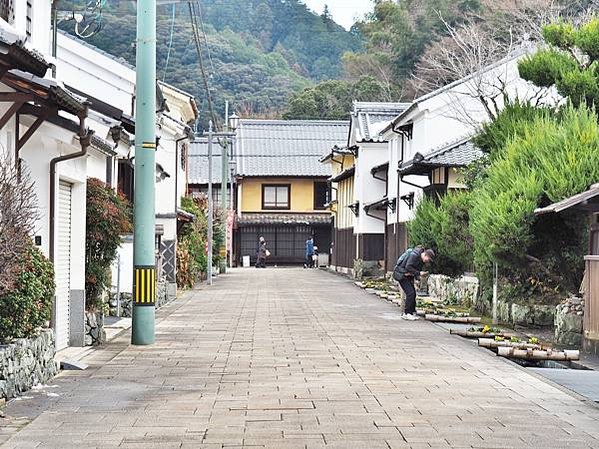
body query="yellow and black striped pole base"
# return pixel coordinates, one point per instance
(145, 286)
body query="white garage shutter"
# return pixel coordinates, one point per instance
(63, 265)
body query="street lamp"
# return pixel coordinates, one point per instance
(233, 122)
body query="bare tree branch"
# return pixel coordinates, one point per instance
(18, 216)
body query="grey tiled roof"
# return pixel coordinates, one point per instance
(284, 219)
(580, 199)
(15, 47)
(102, 145)
(370, 119)
(458, 154)
(58, 93)
(198, 161)
(287, 147)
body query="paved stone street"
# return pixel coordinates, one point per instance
(292, 358)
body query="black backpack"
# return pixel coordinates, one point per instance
(398, 273)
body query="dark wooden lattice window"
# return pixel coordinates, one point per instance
(29, 19)
(321, 193)
(184, 150)
(7, 10)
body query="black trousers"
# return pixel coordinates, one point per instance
(407, 285)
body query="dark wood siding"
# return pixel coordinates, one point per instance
(287, 244)
(344, 248)
(371, 246)
(397, 243)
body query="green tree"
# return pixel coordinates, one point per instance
(571, 63)
(332, 100)
(444, 226)
(260, 52)
(550, 158)
(397, 34)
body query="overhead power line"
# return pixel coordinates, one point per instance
(198, 44)
(170, 42)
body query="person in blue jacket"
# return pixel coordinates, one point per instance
(309, 253)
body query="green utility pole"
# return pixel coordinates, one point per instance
(223, 191)
(144, 277)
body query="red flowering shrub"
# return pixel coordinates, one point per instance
(108, 218)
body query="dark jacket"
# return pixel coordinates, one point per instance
(262, 251)
(413, 265)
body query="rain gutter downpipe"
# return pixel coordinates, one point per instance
(84, 140)
(398, 207)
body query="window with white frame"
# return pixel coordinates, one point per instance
(276, 196)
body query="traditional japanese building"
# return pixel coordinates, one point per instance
(281, 187)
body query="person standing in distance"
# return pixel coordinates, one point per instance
(309, 253)
(258, 246)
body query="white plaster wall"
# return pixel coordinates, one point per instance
(41, 35)
(41, 23)
(95, 74)
(96, 165)
(393, 151)
(367, 188)
(441, 120)
(49, 142)
(124, 264)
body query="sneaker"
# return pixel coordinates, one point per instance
(410, 317)
(404, 316)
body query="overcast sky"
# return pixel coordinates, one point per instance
(345, 12)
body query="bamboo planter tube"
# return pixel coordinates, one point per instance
(494, 344)
(452, 319)
(538, 354)
(478, 334)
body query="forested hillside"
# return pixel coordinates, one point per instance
(412, 47)
(258, 52)
(273, 58)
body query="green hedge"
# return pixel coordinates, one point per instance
(551, 158)
(445, 228)
(29, 305)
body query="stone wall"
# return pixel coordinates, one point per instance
(568, 322)
(26, 362)
(165, 293)
(95, 334)
(463, 290)
(126, 306)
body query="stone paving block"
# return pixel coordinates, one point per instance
(295, 359)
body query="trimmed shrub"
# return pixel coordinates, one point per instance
(550, 159)
(445, 228)
(511, 122)
(191, 249)
(29, 305)
(108, 218)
